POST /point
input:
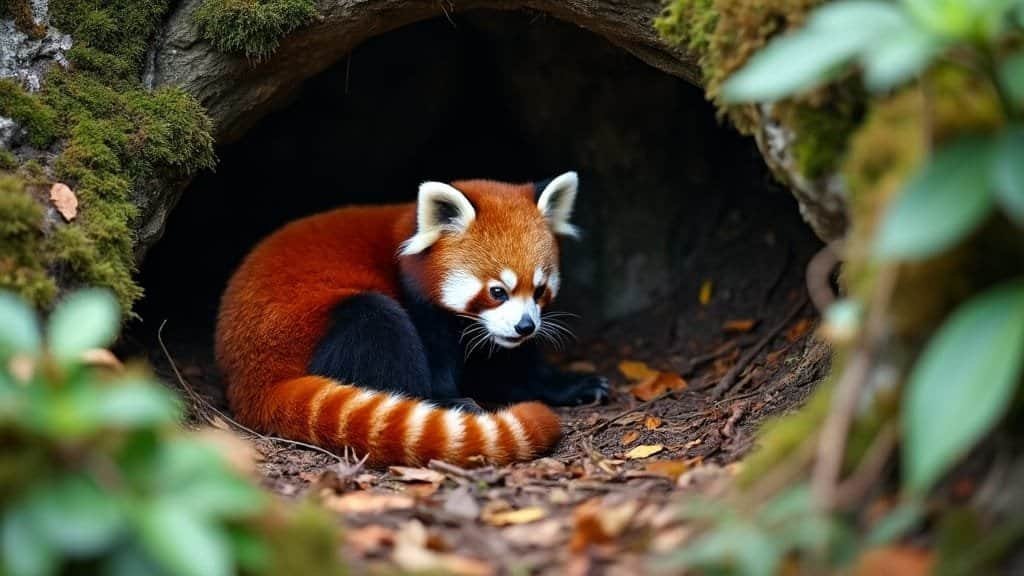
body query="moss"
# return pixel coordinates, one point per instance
(39, 121)
(115, 137)
(690, 23)
(251, 27)
(21, 12)
(822, 125)
(22, 268)
(8, 161)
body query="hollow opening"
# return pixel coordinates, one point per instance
(691, 254)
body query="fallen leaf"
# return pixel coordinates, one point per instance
(539, 534)
(412, 553)
(744, 325)
(596, 523)
(669, 468)
(652, 422)
(655, 386)
(520, 516)
(797, 331)
(895, 561)
(705, 292)
(582, 366)
(406, 474)
(420, 490)
(693, 443)
(461, 504)
(102, 358)
(64, 200)
(633, 370)
(370, 538)
(629, 437)
(364, 502)
(644, 451)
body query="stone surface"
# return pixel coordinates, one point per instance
(27, 59)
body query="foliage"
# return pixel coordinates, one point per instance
(22, 241)
(116, 137)
(96, 477)
(251, 27)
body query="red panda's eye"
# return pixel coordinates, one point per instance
(538, 292)
(499, 294)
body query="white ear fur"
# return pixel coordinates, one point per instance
(440, 208)
(556, 202)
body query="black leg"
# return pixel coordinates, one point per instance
(372, 343)
(521, 374)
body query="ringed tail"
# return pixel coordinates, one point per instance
(392, 429)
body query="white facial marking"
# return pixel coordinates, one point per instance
(458, 288)
(538, 277)
(501, 321)
(554, 281)
(510, 279)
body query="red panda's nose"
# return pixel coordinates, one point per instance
(525, 327)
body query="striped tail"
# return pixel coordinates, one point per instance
(396, 430)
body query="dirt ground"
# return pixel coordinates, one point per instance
(603, 501)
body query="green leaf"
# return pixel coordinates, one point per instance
(22, 552)
(834, 35)
(895, 524)
(941, 204)
(899, 57)
(75, 516)
(735, 548)
(963, 383)
(86, 319)
(1011, 74)
(131, 404)
(1008, 173)
(19, 330)
(184, 543)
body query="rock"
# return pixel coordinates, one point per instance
(27, 59)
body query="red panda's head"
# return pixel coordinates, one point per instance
(488, 250)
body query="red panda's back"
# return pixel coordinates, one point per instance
(277, 304)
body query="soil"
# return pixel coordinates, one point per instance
(540, 517)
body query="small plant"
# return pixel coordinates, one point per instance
(252, 27)
(95, 476)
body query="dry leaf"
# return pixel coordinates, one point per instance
(669, 468)
(662, 382)
(644, 451)
(102, 358)
(370, 538)
(412, 553)
(797, 331)
(633, 370)
(64, 200)
(420, 490)
(364, 502)
(652, 422)
(744, 325)
(705, 293)
(540, 534)
(582, 366)
(895, 561)
(520, 516)
(407, 474)
(461, 504)
(595, 523)
(629, 437)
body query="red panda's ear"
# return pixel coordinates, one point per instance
(440, 209)
(556, 202)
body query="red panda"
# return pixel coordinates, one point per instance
(365, 326)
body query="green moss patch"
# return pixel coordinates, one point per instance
(22, 266)
(252, 27)
(115, 136)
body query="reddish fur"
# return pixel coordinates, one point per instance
(276, 309)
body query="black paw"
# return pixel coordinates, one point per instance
(580, 389)
(464, 404)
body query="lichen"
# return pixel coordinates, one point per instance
(22, 267)
(21, 12)
(251, 27)
(115, 137)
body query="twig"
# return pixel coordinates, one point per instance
(205, 404)
(625, 413)
(738, 410)
(832, 441)
(819, 276)
(850, 491)
(727, 381)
